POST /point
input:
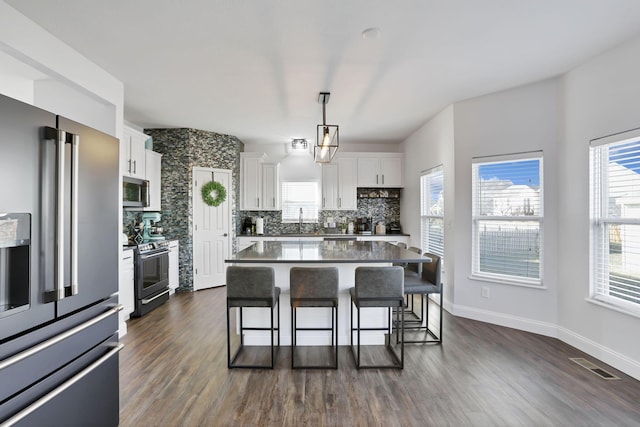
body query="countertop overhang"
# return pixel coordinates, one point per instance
(325, 252)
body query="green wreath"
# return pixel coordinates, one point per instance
(209, 188)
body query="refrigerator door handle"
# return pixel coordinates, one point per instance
(115, 348)
(59, 239)
(62, 138)
(75, 143)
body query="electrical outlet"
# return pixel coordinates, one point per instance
(484, 292)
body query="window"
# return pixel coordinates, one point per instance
(300, 195)
(615, 220)
(507, 218)
(432, 211)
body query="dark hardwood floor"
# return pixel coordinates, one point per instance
(173, 372)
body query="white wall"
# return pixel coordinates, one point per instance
(430, 146)
(560, 117)
(599, 98)
(518, 120)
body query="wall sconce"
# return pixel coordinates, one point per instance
(327, 138)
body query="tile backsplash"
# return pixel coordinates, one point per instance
(383, 210)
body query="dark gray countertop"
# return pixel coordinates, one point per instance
(325, 252)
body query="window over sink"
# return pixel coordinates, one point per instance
(298, 195)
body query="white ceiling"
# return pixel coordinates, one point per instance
(254, 68)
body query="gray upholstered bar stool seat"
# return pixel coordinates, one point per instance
(429, 282)
(378, 287)
(314, 287)
(252, 287)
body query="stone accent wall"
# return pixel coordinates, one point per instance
(183, 149)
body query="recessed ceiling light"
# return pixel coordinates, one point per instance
(371, 33)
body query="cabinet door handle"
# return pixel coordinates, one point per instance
(129, 169)
(258, 201)
(339, 202)
(135, 166)
(323, 202)
(382, 179)
(274, 202)
(376, 178)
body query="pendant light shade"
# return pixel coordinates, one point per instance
(327, 138)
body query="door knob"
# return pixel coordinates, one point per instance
(225, 235)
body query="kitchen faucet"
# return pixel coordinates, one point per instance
(300, 222)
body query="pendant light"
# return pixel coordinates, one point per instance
(327, 135)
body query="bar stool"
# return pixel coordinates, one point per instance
(314, 287)
(379, 287)
(429, 282)
(252, 287)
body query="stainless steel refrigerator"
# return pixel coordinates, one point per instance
(58, 270)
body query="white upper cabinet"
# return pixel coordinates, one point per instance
(381, 170)
(270, 186)
(259, 183)
(132, 153)
(153, 162)
(330, 186)
(251, 181)
(339, 184)
(347, 184)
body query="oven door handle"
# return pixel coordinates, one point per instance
(148, 300)
(146, 257)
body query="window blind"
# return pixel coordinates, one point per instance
(298, 195)
(615, 221)
(507, 215)
(432, 211)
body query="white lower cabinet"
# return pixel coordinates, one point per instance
(174, 266)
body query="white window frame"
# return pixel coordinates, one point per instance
(601, 220)
(427, 214)
(308, 217)
(525, 220)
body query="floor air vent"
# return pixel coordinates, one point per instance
(594, 368)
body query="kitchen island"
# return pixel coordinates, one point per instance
(347, 255)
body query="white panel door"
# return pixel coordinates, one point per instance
(211, 230)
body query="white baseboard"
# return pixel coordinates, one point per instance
(521, 323)
(613, 358)
(617, 360)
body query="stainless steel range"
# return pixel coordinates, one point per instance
(151, 278)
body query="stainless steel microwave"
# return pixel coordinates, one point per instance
(135, 192)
